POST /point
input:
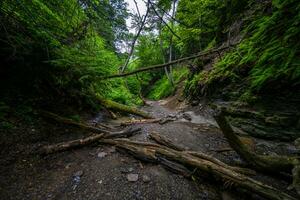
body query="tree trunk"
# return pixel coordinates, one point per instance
(275, 164)
(122, 108)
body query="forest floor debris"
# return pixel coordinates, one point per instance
(53, 175)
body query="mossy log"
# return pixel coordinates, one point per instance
(122, 108)
(153, 153)
(273, 164)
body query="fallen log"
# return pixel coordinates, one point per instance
(122, 108)
(167, 142)
(153, 153)
(274, 164)
(205, 55)
(164, 141)
(146, 121)
(64, 146)
(68, 121)
(139, 121)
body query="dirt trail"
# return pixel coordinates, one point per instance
(101, 172)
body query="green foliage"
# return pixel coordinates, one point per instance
(265, 59)
(64, 46)
(163, 88)
(203, 21)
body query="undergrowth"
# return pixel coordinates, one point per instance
(163, 87)
(267, 59)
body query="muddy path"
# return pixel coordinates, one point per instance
(101, 172)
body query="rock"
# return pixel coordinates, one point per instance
(132, 177)
(207, 145)
(187, 116)
(101, 155)
(194, 103)
(146, 179)
(126, 170)
(78, 173)
(130, 169)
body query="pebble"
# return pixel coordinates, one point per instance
(101, 155)
(146, 179)
(132, 177)
(78, 173)
(126, 170)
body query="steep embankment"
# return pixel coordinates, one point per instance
(257, 81)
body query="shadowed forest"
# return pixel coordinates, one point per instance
(150, 99)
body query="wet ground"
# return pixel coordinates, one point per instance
(101, 172)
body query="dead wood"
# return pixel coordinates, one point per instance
(154, 152)
(160, 139)
(68, 121)
(139, 121)
(164, 141)
(122, 108)
(203, 55)
(269, 164)
(146, 121)
(64, 146)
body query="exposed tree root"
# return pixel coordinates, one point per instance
(122, 108)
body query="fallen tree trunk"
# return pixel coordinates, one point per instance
(122, 108)
(164, 141)
(139, 121)
(273, 164)
(64, 120)
(205, 55)
(167, 142)
(64, 146)
(153, 153)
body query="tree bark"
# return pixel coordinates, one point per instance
(64, 146)
(273, 164)
(123, 108)
(80, 125)
(152, 153)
